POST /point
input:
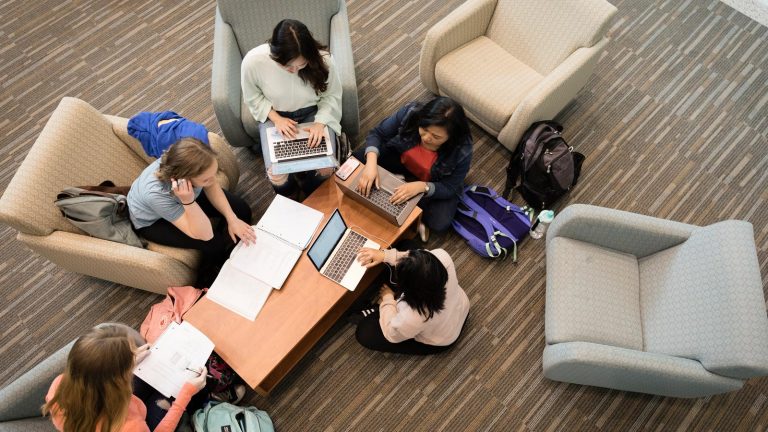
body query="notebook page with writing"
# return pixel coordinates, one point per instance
(181, 346)
(269, 259)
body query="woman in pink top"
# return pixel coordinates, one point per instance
(95, 391)
(423, 312)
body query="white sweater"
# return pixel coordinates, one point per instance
(266, 85)
(399, 322)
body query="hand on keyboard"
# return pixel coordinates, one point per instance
(285, 126)
(316, 132)
(368, 257)
(407, 191)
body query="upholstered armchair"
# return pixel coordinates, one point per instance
(510, 63)
(20, 401)
(81, 146)
(242, 25)
(653, 306)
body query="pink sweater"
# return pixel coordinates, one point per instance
(399, 322)
(137, 411)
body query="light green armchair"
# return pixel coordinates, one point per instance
(242, 25)
(648, 305)
(510, 63)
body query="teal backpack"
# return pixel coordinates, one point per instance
(225, 417)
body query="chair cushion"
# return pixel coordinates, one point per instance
(486, 80)
(543, 33)
(703, 300)
(250, 124)
(190, 257)
(592, 295)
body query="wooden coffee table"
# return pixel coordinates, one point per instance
(295, 317)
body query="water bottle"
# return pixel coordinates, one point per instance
(542, 222)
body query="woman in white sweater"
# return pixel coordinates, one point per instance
(423, 312)
(290, 80)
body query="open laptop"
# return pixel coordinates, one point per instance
(334, 252)
(378, 199)
(284, 149)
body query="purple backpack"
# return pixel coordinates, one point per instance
(490, 224)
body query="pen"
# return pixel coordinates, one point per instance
(198, 372)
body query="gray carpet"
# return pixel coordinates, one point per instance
(673, 124)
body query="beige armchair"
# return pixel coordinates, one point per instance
(80, 146)
(513, 62)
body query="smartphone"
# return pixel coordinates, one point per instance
(347, 168)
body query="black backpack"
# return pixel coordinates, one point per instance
(546, 166)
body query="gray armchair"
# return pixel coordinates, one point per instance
(20, 401)
(242, 25)
(653, 306)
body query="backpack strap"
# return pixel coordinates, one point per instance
(492, 247)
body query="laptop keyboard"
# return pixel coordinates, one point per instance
(380, 198)
(298, 148)
(345, 256)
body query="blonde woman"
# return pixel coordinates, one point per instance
(94, 394)
(173, 199)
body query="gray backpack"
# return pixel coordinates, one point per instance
(225, 417)
(102, 215)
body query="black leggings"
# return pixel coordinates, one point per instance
(369, 335)
(216, 250)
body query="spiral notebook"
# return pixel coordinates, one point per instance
(282, 234)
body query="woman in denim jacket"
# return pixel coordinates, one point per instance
(432, 147)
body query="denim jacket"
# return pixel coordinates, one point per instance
(448, 172)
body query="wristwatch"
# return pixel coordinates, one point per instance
(426, 187)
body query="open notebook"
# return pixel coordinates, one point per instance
(282, 234)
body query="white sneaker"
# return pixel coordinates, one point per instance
(423, 232)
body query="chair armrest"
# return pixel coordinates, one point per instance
(227, 161)
(23, 397)
(341, 47)
(467, 22)
(225, 84)
(552, 94)
(632, 233)
(624, 369)
(112, 261)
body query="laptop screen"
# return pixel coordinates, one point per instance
(327, 240)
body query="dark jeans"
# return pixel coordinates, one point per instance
(369, 335)
(438, 213)
(151, 397)
(216, 250)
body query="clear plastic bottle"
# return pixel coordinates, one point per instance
(542, 222)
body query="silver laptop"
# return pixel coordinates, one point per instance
(283, 149)
(378, 199)
(334, 252)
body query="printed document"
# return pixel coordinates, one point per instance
(180, 347)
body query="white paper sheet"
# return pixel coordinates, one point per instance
(292, 222)
(239, 292)
(180, 346)
(269, 259)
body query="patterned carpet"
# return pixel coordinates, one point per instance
(673, 124)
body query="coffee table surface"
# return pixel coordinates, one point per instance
(294, 318)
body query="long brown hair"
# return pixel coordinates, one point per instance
(96, 388)
(185, 159)
(292, 39)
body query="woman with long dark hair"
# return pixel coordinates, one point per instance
(424, 309)
(431, 146)
(287, 81)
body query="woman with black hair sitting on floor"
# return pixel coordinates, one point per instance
(424, 310)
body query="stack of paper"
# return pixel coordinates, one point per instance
(244, 283)
(239, 292)
(181, 347)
